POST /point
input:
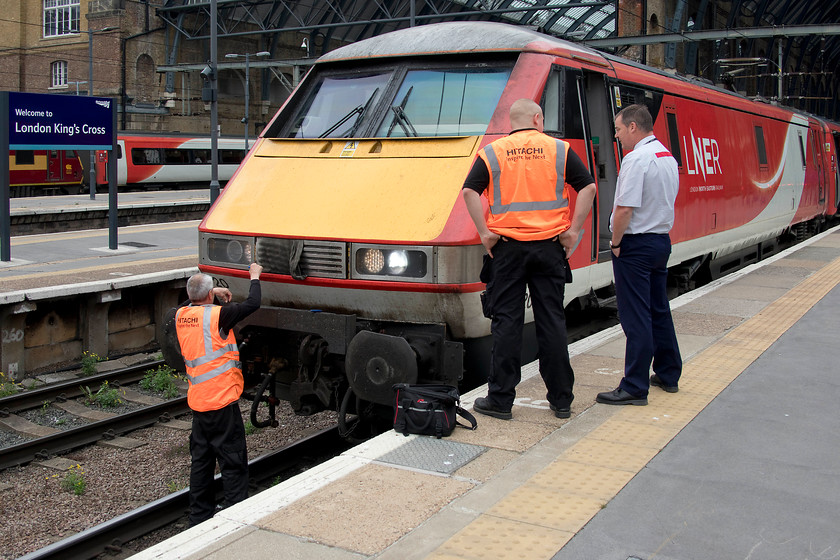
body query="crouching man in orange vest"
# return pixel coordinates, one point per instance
(205, 333)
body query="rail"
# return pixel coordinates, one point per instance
(112, 534)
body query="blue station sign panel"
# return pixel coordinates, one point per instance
(40, 121)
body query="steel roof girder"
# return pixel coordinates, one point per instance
(712, 34)
(336, 10)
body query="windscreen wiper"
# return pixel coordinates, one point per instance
(400, 118)
(360, 110)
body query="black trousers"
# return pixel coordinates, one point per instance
(217, 435)
(542, 267)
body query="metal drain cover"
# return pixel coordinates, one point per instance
(432, 454)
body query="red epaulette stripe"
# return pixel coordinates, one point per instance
(663, 154)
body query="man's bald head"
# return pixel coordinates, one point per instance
(525, 113)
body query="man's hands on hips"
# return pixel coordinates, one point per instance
(489, 241)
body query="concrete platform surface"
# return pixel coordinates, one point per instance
(742, 462)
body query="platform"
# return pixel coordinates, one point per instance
(50, 214)
(158, 243)
(741, 463)
(65, 293)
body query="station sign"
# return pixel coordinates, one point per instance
(40, 121)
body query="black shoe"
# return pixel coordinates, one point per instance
(657, 382)
(484, 406)
(620, 396)
(565, 412)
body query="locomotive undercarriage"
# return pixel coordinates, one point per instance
(324, 361)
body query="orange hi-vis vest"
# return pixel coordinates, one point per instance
(213, 367)
(528, 195)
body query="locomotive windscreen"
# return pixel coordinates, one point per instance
(396, 102)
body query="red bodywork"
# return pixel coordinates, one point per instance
(44, 168)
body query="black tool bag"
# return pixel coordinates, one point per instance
(429, 410)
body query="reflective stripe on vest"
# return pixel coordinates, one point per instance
(560, 201)
(206, 376)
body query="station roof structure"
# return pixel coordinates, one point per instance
(804, 34)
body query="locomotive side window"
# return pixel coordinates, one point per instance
(674, 138)
(174, 156)
(561, 104)
(444, 103)
(337, 105)
(24, 157)
(201, 156)
(231, 156)
(802, 150)
(759, 142)
(145, 156)
(552, 123)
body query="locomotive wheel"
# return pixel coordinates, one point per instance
(268, 380)
(356, 418)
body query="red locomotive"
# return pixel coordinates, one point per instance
(35, 172)
(350, 200)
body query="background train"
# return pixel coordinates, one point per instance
(34, 172)
(350, 200)
(168, 160)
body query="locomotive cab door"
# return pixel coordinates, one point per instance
(835, 167)
(55, 166)
(586, 114)
(564, 105)
(817, 144)
(599, 117)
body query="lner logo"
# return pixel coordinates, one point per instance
(706, 154)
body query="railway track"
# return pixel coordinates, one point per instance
(63, 441)
(33, 398)
(112, 535)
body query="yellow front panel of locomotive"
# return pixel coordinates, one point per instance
(39, 162)
(394, 189)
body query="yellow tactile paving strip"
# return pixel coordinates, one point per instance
(537, 519)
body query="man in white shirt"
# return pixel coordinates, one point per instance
(643, 214)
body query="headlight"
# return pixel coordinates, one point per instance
(370, 261)
(398, 262)
(377, 262)
(232, 251)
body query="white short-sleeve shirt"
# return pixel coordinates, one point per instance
(648, 182)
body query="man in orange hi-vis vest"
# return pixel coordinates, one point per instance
(528, 234)
(211, 356)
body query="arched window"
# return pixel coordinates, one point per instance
(58, 74)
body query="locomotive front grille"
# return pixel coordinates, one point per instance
(316, 259)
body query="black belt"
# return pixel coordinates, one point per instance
(554, 239)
